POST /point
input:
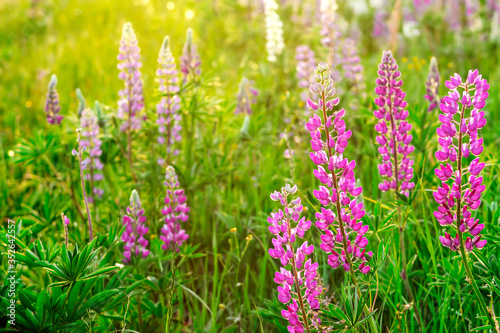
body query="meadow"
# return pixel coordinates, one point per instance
(138, 173)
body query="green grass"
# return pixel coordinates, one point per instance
(224, 277)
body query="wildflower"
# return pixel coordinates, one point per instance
(65, 221)
(351, 64)
(245, 97)
(91, 142)
(274, 30)
(299, 288)
(175, 212)
(305, 69)
(190, 59)
(380, 27)
(131, 96)
(168, 108)
(460, 193)
(331, 36)
(81, 163)
(343, 237)
(52, 106)
(432, 85)
(135, 230)
(394, 137)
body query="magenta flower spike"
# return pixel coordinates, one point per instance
(131, 96)
(175, 212)
(298, 277)
(168, 120)
(343, 237)
(135, 230)
(246, 96)
(432, 86)
(190, 59)
(91, 142)
(305, 69)
(461, 188)
(394, 131)
(52, 106)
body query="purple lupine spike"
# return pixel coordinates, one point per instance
(190, 59)
(351, 64)
(91, 142)
(460, 194)
(246, 96)
(344, 232)
(305, 69)
(394, 137)
(175, 212)
(331, 34)
(131, 97)
(135, 230)
(168, 108)
(52, 106)
(432, 86)
(298, 271)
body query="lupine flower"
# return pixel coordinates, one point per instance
(190, 59)
(351, 64)
(274, 30)
(394, 137)
(131, 96)
(246, 96)
(432, 86)
(343, 237)
(298, 277)
(305, 69)
(91, 142)
(52, 106)
(331, 36)
(461, 187)
(175, 212)
(421, 6)
(380, 27)
(135, 230)
(65, 221)
(168, 108)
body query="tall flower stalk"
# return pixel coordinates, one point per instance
(298, 279)
(131, 96)
(190, 59)
(306, 64)
(135, 230)
(65, 221)
(343, 237)
(330, 31)
(395, 145)
(175, 211)
(274, 30)
(91, 142)
(79, 152)
(52, 106)
(461, 185)
(432, 85)
(168, 120)
(351, 65)
(245, 97)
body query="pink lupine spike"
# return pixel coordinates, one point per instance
(347, 210)
(168, 108)
(396, 167)
(175, 211)
(458, 195)
(52, 106)
(135, 245)
(298, 271)
(91, 142)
